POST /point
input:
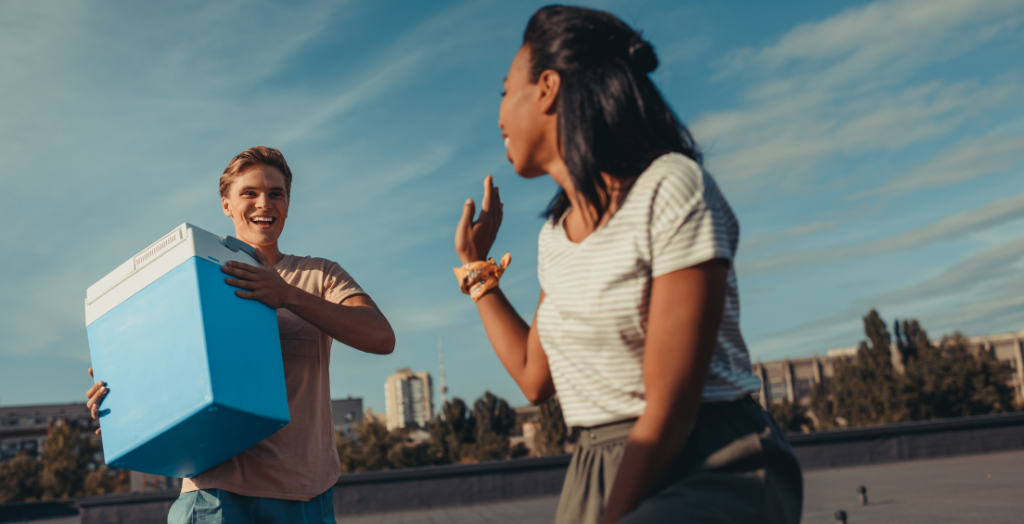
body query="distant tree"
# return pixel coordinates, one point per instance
(19, 479)
(495, 419)
(103, 480)
(954, 380)
(519, 450)
(867, 391)
(370, 447)
(66, 460)
(950, 380)
(910, 340)
(493, 415)
(452, 431)
(553, 434)
(791, 417)
(822, 407)
(65, 468)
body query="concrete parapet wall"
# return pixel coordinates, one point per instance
(909, 441)
(467, 484)
(461, 484)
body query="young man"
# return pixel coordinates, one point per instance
(289, 476)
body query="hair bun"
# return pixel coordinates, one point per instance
(641, 54)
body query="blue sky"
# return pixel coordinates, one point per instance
(874, 153)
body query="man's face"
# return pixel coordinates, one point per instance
(257, 203)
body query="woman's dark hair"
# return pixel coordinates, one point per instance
(611, 118)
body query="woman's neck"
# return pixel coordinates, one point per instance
(582, 219)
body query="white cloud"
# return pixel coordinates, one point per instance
(971, 158)
(977, 295)
(880, 38)
(840, 88)
(772, 240)
(959, 224)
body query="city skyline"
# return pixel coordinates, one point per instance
(872, 152)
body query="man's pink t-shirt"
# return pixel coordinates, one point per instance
(300, 461)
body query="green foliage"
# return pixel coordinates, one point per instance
(494, 421)
(103, 480)
(791, 417)
(953, 380)
(372, 447)
(457, 435)
(63, 470)
(950, 380)
(19, 479)
(910, 340)
(553, 434)
(66, 457)
(822, 408)
(867, 391)
(452, 431)
(519, 450)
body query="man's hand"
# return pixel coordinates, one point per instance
(262, 283)
(95, 396)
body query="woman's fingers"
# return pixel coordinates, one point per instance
(90, 373)
(497, 207)
(466, 222)
(485, 204)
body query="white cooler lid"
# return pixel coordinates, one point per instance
(159, 258)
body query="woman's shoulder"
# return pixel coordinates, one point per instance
(672, 181)
(674, 173)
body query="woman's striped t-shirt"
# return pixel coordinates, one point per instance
(593, 320)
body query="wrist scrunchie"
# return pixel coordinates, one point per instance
(476, 278)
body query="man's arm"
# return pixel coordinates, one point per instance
(355, 322)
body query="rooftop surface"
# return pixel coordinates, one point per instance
(975, 488)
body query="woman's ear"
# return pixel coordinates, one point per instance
(226, 205)
(548, 85)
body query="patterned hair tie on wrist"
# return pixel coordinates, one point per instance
(476, 278)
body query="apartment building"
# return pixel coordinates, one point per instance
(410, 399)
(23, 428)
(792, 379)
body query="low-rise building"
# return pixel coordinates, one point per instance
(346, 412)
(23, 428)
(793, 379)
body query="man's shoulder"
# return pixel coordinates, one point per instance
(307, 263)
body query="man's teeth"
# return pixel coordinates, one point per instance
(506, 142)
(262, 219)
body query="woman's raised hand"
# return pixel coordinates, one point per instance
(473, 240)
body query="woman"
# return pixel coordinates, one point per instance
(637, 326)
(289, 476)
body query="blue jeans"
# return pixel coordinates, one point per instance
(216, 506)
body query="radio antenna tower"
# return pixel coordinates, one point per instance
(444, 385)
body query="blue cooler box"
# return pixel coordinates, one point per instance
(194, 372)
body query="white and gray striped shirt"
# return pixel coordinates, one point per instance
(593, 321)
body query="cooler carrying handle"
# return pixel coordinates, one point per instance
(235, 245)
